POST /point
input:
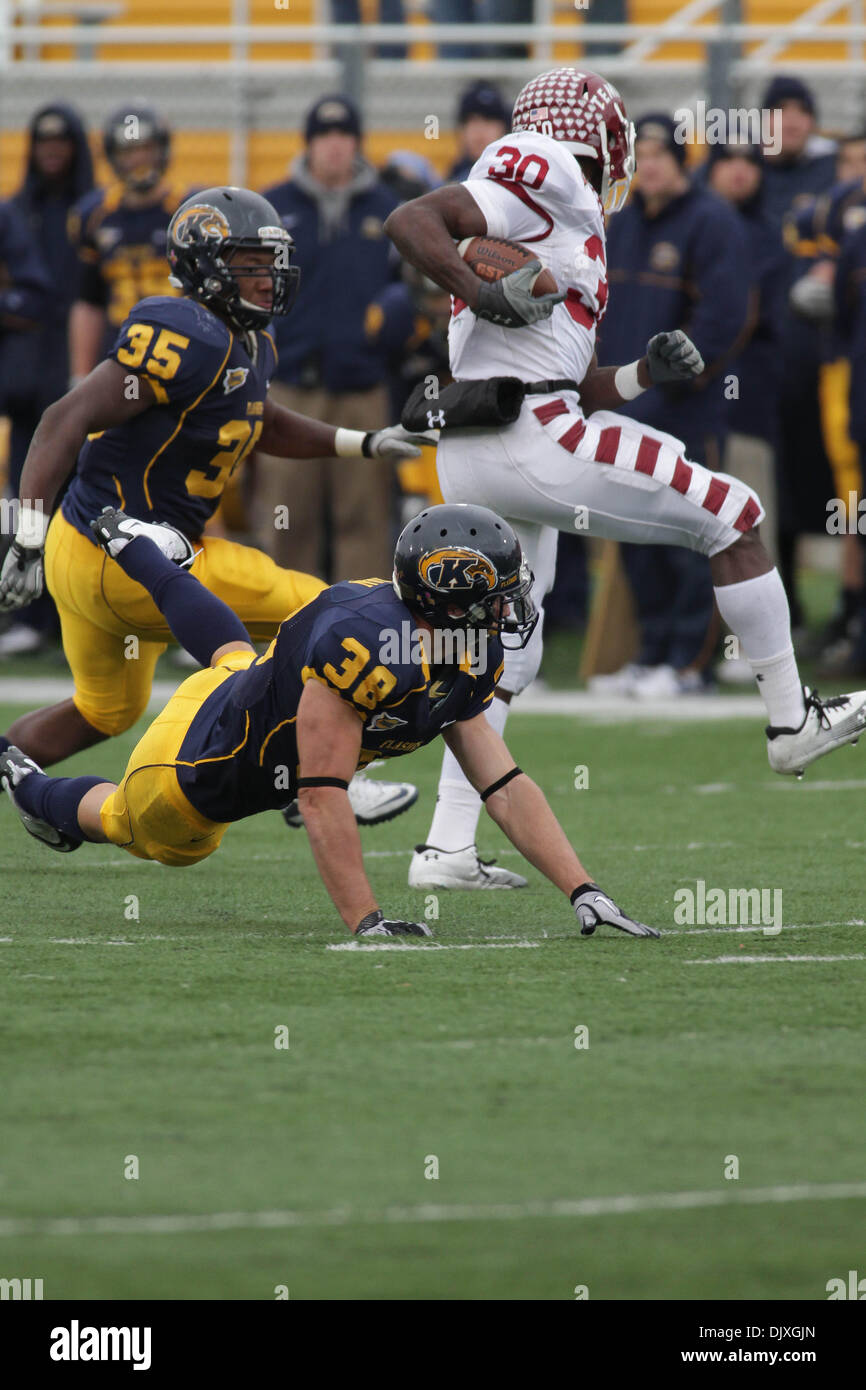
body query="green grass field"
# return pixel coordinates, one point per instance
(155, 1038)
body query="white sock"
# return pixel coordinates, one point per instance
(458, 805)
(756, 610)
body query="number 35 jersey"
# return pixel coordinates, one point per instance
(172, 462)
(532, 190)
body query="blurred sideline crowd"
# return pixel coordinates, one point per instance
(759, 254)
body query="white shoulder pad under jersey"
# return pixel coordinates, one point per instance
(531, 189)
(528, 185)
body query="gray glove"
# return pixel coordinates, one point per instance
(812, 298)
(395, 443)
(509, 303)
(672, 357)
(21, 577)
(593, 908)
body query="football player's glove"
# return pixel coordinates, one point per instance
(672, 357)
(395, 443)
(377, 924)
(812, 298)
(593, 908)
(21, 577)
(114, 530)
(509, 302)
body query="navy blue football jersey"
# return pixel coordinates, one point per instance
(240, 753)
(819, 228)
(121, 249)
(172, 462)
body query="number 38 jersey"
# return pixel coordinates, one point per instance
(532, 190)
(240, 753)
(172, 462)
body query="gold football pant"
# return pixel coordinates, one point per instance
(113, 633)
(148, 814)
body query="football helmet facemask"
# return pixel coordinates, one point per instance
(588, 115)
(127, 128)
(461, 566)
(204, 232)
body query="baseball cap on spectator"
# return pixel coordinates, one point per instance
(333, 113)
(483, 99)
(786, 87)
(661, 127)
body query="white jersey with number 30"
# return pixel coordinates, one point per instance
(532, 190)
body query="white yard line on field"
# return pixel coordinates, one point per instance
(559, 933)
(768, 960)
(599, 708)
(627, 1204)
(365, 946)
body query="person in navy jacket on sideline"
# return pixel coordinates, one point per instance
(334, 205)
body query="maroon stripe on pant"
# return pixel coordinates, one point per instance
(647, 455)
(608, 443)
(748, 516)
(550, 410)
(716, 494)
(682, 476)
(572, 437)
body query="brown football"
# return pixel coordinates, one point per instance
(491, 257)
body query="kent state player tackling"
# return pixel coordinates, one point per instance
(159, 427)
(568, 159)
(320, 703)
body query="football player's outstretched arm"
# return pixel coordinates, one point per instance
(519, 807)
(329, 741)
(289, 435)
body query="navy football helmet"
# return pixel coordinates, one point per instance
(131, 126)
(461, 566)
(204, 232)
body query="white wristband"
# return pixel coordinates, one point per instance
(349, 444)
(32, 526)
(626, 382)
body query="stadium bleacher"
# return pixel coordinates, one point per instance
(232, 126)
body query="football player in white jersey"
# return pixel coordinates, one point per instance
(568, 160)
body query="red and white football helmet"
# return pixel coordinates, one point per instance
(587, 114)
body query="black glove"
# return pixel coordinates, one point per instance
(376, 924)
(594, 908)
(509, 302)
(672, 357)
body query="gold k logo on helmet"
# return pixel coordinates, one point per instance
(456, 567)
(208, 221)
